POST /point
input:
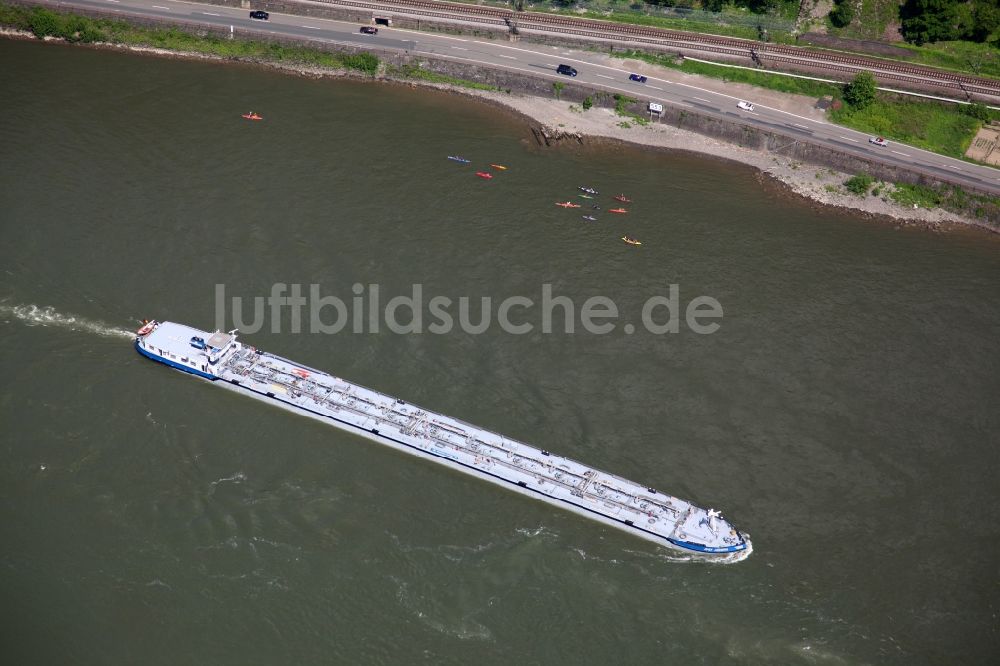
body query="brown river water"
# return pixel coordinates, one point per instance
(844, 413)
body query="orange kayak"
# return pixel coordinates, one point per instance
(617, 210)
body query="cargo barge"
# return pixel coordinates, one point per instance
(634, 508)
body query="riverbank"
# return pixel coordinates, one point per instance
(560, 121)
(824, 186)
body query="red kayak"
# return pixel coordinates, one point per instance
(617, 210)
(252, 116)
(483, 174)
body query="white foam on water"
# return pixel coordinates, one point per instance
(584, 555)
(464, 628)
(817, 654)
(541, 531)
(34, 315)
(239, 477)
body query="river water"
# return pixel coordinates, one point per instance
(844, 413)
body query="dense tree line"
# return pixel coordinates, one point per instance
(755, 6)
(946, 20)
(842, 13)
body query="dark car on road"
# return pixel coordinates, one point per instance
(259, 15)
(566, 69)
(369, 30)
(638, 78)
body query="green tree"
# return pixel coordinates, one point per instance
(43, 22)
(842, 13)
(986, 21)
(930, 20)
(978, 111)
(860, 93)
(761, 6)
(858, 184)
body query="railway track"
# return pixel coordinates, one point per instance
(840, 63)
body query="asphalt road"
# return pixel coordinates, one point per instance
(540, 60)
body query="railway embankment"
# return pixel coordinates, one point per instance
(612, 36)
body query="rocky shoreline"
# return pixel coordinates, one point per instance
(554, 122)
(821, 185)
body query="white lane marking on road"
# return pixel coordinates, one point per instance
(210, 14)
(112, 0)
(311, 27)
(654, 88)
(702, 99)
(500, 55)
(459, 48)
(952, 166)
(534, 71)
(850, 139)
(161, 7)
(798, 125)
(606, 77)
(899, 153)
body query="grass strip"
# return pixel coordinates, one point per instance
(81, 29)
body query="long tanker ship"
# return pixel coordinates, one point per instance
(640, 510)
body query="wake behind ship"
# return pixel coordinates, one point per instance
(642, 511)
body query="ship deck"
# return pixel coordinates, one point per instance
(174, 340)
(560, 480)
